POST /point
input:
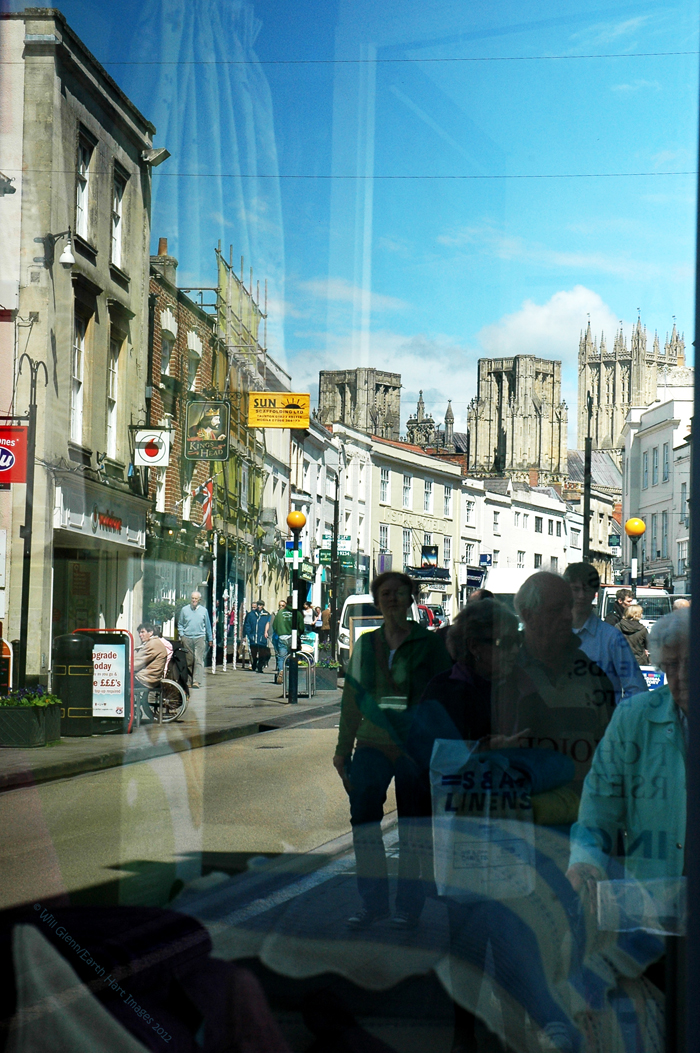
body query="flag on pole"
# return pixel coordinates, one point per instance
(204, 495)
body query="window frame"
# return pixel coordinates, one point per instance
(112, 422)
(428, 495)
(77, 389)
(384, 486)
(119, 180)
(407, 492)
(447, 501)
(85, 152)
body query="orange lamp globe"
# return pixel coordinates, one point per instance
(635, 527)
(296, 521)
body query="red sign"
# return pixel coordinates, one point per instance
(13, 454)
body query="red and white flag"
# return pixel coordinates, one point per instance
(204, 494)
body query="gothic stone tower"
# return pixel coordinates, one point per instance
(367, 399)
(517, 422)
(619, 379)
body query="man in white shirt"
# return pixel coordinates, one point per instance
(603, 643)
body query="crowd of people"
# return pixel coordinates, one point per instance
(551, 701)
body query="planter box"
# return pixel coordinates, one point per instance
(27, 726)
(326, 679)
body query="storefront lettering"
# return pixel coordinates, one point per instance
(107, 520)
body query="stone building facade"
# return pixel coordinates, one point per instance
(619, 378)
(366, 399)
(517, 422)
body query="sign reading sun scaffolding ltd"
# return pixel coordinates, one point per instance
(152, 448)
(275, 409)
(13, 455)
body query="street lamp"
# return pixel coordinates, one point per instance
(296, 521)
(634, 528)
(66, 259)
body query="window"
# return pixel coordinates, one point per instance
(407, 485)
(554, 564)
(160, 490)
(192, 367)
(682, 557)
(684, 504)
(447, 504)
(384, 486)
(427, 539)
(521, 559)
(383, 537)
(83, 187)
(538, 524)
(112, 388)
(645, 470)
(447, 552)
(167, 343)
(118, 188)
(550, 527)
(496, 557)
(307, 477)
(538, 560)
(77, 378)
(406, 548)
(469, 553)
(575, 538)
(666, 466)
(428, 496)
(516, 519)
(471, 505)
(244, 487)
(664, 535)
(655, 466)
(525, 520)
(558, 527)
(496, 517)
(655, 553)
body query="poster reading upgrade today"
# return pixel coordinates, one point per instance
(109, 684)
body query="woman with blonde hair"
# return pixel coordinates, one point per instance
(635, 633)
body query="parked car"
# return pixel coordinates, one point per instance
(426, 616)
(363, 606)
(440, 616)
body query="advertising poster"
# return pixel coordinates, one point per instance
(274, 409)
(207, 431)
(109, 684)
(13, 454)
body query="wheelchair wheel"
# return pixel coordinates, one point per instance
(174, 701)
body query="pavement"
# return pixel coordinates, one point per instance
(228, 705)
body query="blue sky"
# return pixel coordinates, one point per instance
(424, 275)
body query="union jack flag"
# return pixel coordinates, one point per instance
(204, 495)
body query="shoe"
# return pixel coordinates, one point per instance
(406, 922)
(365, 917)
(194, 684)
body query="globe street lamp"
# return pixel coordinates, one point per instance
(634, 528)
(296, 521)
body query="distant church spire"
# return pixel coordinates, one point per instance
(420, 411)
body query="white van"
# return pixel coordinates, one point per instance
(504, 582)
(360, 606)
(654, 602)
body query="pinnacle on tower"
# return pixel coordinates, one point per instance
(420, 410)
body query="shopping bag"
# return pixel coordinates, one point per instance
(483, 832)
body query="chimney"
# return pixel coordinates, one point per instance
(164, 264)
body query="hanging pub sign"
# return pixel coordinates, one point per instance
(429, 556)
(13, 454)
(278, 409)
(207, 431)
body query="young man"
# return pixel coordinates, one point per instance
(606, 645)
(624, 598)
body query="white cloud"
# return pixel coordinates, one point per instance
(339, 290)
(637, 85)
(610, 32)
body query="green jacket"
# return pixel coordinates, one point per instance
(420, 657)
(282, 624)
(635, 793)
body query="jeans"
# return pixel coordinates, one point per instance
(195, 647)
(371, 772)
(281, 646)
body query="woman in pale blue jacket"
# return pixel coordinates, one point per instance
(633, 806)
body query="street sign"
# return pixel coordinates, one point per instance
(614, 540)
(13, 454)
(152, 448)
(474, 577)
(384, 562)
(344, 543)
(207, 430)
(485, 559)
(289, 551)
(275, 409)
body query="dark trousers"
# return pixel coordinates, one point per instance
(259, 657)
(371, 772)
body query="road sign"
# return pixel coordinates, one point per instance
(485, 559)
(152, 448)
(474, 577)
(275, 409)
(344, 543)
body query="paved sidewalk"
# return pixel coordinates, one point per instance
(227, 706)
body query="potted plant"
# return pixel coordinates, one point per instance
(29, 716)
(326, 671)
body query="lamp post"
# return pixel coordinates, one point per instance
(634, 528)
(296, 522)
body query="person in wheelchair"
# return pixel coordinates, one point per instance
(150, 658)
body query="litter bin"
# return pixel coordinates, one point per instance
(72, 675)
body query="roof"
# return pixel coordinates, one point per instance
(497, 486)
(460, 440)
(604, 470)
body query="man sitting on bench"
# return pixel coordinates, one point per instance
(150, 658)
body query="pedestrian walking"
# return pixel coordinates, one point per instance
(635, 633)
(282, 628)
(325, 625)
(256, 629)
(194, 629)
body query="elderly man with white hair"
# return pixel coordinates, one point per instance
(635, 792)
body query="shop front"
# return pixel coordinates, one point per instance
(99, 539)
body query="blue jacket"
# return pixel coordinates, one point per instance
(254, 628)
(634, 797)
